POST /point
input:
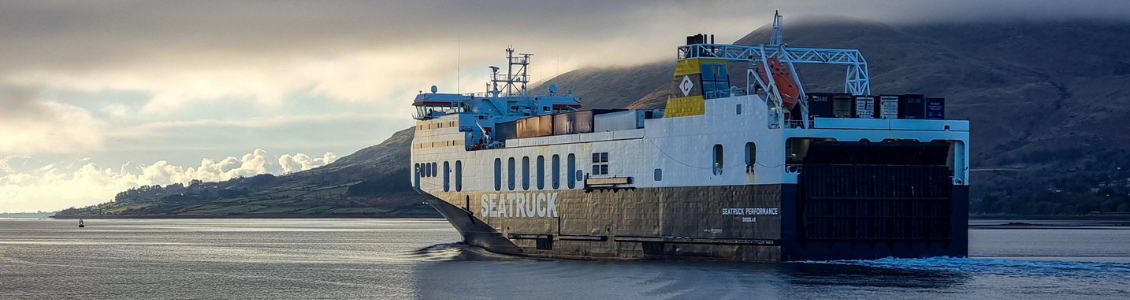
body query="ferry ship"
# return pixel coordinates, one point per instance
(760, 172)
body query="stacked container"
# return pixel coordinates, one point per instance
(506, 130)
(535, 126)
(908, 106)
(621, 120)
(820, 105)
(912, 106)
(936, 108)
(572, 122)
(842, 105)
(865, 107)
(889, 107)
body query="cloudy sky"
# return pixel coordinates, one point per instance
(100, 96)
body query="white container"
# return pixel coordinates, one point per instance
(865, 107)
(621, 120)
(889, 107)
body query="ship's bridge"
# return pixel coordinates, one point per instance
(431, 105)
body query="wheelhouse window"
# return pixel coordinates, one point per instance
(425, 111)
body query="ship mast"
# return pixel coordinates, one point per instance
(516, 77)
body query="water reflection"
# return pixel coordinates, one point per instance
(858, 275)
(470, 271)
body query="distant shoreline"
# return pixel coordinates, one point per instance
(262, 216)
(1112, 217)
(1091, 217)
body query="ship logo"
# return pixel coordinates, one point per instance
(686, 85)
(519, 205)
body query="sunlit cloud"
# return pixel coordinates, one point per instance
(61, 185)
(302, 162)
(49, 127)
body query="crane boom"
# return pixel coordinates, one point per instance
(857, 82)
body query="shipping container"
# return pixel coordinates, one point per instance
(936, 108)
(573, 122)
(564, 123)
(889, 107)
(912, 106)
(545, 125)
(820, 105)
(865, 107)
(526, 127)
(506, 130)
(535, 126)
(622, 120)
(842, 105)
(584, 121)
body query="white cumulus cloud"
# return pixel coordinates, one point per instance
(60, 185)
(302, 162)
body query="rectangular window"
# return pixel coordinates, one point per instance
(458, 176)
(750, 157)
(658, 174)
(571, 165)
(555, 170)
(525, 172)
(600, 163)
(446, 176)
(497, 174)
(541, 172)
(707, 71)
(510, 173)
(718, 159)
(720, 72)
(416, 176)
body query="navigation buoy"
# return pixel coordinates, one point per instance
(80, 225)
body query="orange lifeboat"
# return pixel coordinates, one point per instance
(783, 76)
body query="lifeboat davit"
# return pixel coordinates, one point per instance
(783, 76)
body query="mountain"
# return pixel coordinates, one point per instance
(1047, 102)
(388, 157)
(612, 87)
(372, 182)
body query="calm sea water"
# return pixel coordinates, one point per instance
(418, 259)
